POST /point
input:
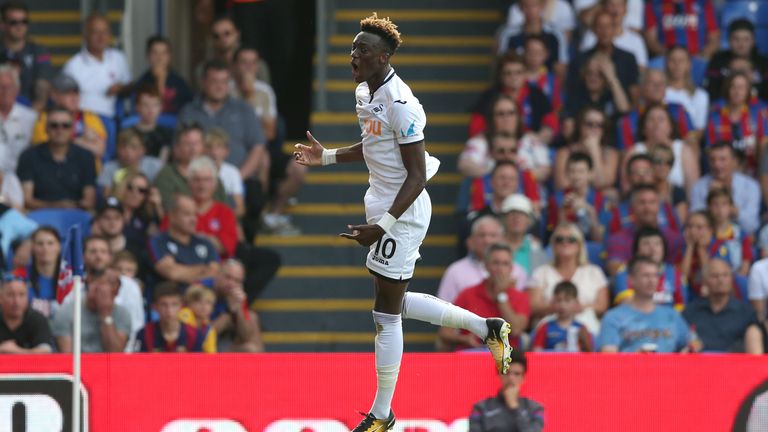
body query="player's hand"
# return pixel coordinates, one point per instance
(309, 155)
(365, 235)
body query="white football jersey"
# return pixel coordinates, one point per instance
(392, 116)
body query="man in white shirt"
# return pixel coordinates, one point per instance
(16, 120)
(101, 72)
(624, 38)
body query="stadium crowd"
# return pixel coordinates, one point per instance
(615, 191)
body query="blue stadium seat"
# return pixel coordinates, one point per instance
(165, 120)
(63, 219)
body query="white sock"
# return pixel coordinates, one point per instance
(425, 307)
(389, 352)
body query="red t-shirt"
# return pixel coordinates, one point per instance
(476, 299)
(219, 221)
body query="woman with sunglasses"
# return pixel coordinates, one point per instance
(673, 198)
(142, 205)
(570, 263)
(590, 137)
(476, 159)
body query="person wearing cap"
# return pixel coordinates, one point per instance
(88, 129)
(110, 224)
(23, 330)
(741, 44)
(517, 216)
(17, 120)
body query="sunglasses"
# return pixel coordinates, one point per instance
(141, 190)
(17, 22)
(566, 239)
(60, 125)
(222, 34)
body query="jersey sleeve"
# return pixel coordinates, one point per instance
(609, 332)
(407, 120)
(540, 337)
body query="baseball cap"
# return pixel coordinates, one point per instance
(517, 202)
(111, 203)
(64, 83)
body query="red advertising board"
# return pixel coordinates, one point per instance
(323, 392)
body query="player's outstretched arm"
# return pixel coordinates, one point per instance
(317, 155)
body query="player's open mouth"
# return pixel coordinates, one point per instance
(355, 69)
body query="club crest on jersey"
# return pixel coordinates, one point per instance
(372, 127)
(378, 109)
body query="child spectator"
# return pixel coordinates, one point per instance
(21, 250)
(169, 334)
(157, 139)
(727, 233)
(199, 302)
(700, 246)
(539, 72)
(579, 203)
(127, 265)
(130, 157)
(217, 148)
(562, 332)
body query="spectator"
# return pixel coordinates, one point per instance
(724, 323)
(518, 217)
(682, 90)
(168, 334)
(88, 130)
(741, 44)
(671, 196)
(168, 85)
(739, 122)
(640, 325)
(217, 148)
(173, 178)
(127, 265)
(579, 202)
(671, 289)
(723, 165)
(633, 18)
(570, 263)
(22, 255)
(197, 310)
(590, 137)
(484, 194)
(758, 288)
(14, 226)
(130, 157)
(470, 270)
(105, 324)
(226, 41)
(33, 60)
(157, 139)
(141, 204)
(562, 331)
(58, 174)
(43, 270)
(643, 210)
(508, 411)
(623, 38)
(556, 13)
(179, 254)
(494, 296)
(727, 233)
(637, 171)
(260, 95)
(540, 73)
(23, 330)
(533, 26)
(236, 325)
(669, 23)
(17, 120)
(101, 72)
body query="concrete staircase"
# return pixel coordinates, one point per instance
(322, 298)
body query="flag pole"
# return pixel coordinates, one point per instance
(78, 282)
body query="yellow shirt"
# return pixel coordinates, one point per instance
(188, 317)
(85, 120)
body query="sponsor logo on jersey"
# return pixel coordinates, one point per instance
(372, 127)
(411, 131)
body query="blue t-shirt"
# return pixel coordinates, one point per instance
(630, 329)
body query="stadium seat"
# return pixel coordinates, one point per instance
(165, 120)
(63, 219)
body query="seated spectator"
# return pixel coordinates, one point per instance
(217, 148)
(669, 23)
(126, 264)
(562, 331)
(579, 203)
(682, 90)
(534, 26)
(512, 82)
(18, 120)
(236, 325)
(179, 254)
(470, 270)
(43, 270)
(570, 263)
(168, 334)
(14, 226)
(101, 72)
(494, 296)
(623, 38)
(58, 174)
(640, 325)
(22, 255)
(106, 325)
(246, 86)
(590, 137)
(141, 204)
(724, 323)
(738, 122)
(671, 196)
(671, 289)
(197, 310)
(643, 210)
(758, 288)
(130, 157)
(556, 13)
(33, 60)
(656, 128)
(727, 233)
(539, 73)
(517, 217)
(173, 177)
(633, 18)
(225, 40)
(169, 86)
(741, 44)
(508, 411)
(157, 139)
(88, 129)
(745, 191)
(23, 330)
